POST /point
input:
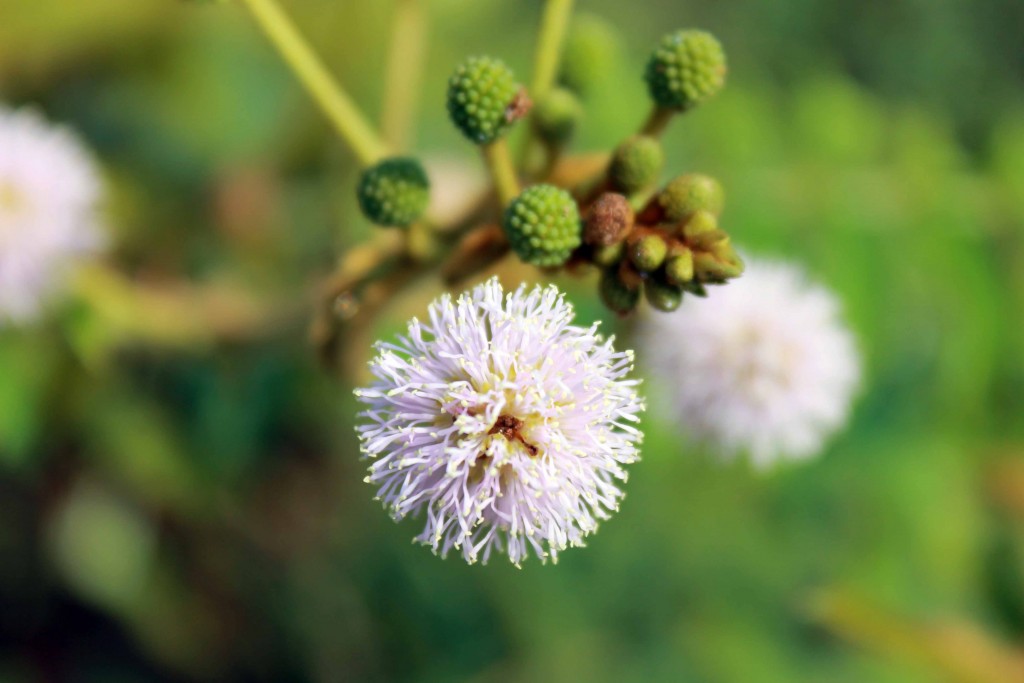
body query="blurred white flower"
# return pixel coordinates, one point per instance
(507, 425)
(49, 189)
(763, 365)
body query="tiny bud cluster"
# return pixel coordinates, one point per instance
(686, 69)
(482, 97)
(394, 192)
(543, 225)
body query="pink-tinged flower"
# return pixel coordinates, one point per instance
(49, 189)
(764, 365)
(506, 425)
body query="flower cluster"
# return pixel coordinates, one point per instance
(503, 423)
(49, 190)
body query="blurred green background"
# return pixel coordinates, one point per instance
(192, 508)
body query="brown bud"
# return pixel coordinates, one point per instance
(609, 220)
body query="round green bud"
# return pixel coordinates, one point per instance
(699, 223)
(679, 267)
(685, 69)
(394, 191)
(609, 220)
(663, 296)
(590, 53)
(608, 255)
(482, 99)
(543, 225)
(637, 163)
(616, 294)
(556, 116)
(687, 194)
(648, 252)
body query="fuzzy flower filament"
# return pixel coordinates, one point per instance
(507, 425)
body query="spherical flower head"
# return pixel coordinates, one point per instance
(49, 194)
(505, 424)
(556, 116)
(543, 225)
(589, 55)
(637, 163)
(763, 365)
(685, 69)
(482, 99)
(394, 192)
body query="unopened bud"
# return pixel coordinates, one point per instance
(687, 194)
(609, 255)
(637, 163)
(662, 295)
(609, 220)
(647, 252)
(616, 294)
(679, 266)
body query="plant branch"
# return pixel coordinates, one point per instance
(404, 75)
(503, 173)
(553, 26)
(333, 100)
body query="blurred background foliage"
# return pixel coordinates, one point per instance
(190, 506)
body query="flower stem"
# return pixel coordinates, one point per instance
(406, 60)
(553, 25)
(499, 163)
(657, 121)
(333, 100)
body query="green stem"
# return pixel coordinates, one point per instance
(657, 121)
(553, 26)
(406, 60)
(333, 100)
(503, 173)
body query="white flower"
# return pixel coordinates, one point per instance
(49, 188)
(763, 365)
(502, 421)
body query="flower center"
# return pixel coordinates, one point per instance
(509, 427)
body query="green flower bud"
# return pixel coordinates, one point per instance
(637, 163)
(663, 296)
(616, 294)
(699, 223)
(556, 116)
(679, 266)
(609, 220)
(695, 287)
(712, 268)
(709, 241)
(483, 99)
(543, 225)
(687, 194)
(394, 191)
(589, 55)
(648, 252)
(685, 69)
(608, 255)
